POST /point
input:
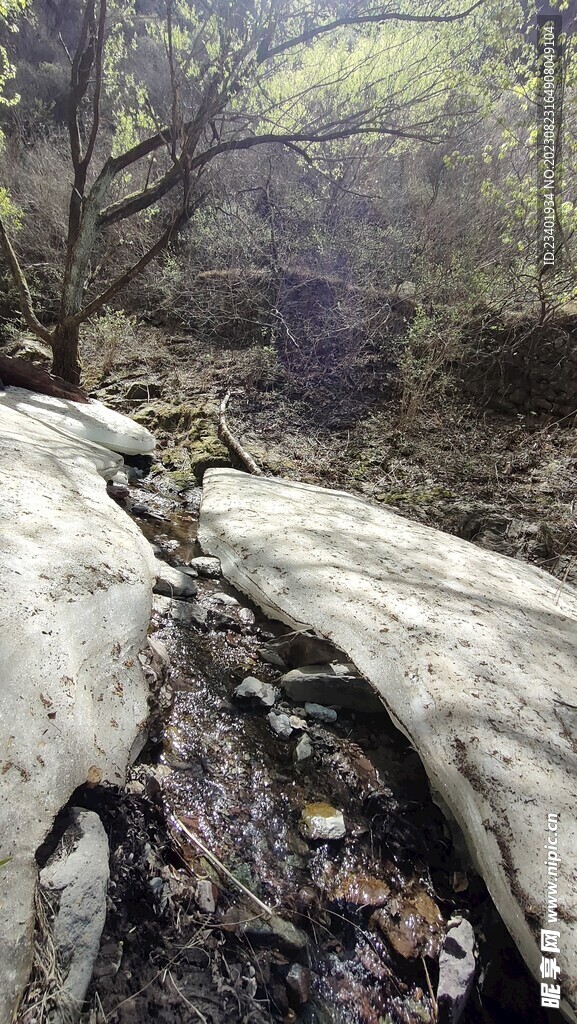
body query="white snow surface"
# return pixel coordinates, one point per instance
(90, 421)
(75, 600)
(473, 654)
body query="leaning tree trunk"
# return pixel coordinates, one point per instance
(65, 352)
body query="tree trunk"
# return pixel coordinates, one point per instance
(65, 355)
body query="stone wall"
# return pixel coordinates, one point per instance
(525, 367)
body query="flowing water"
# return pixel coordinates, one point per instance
(358, 921)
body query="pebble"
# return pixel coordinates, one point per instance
(298, 979)
(320, 713)
(246, 616)
(205, 896)
(322, 821)
(303, 750)
(297, 723)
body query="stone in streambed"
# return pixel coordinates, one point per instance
(457, 966)
(174, 583)
(303, 750)
(255, 691)
(322, 821)
(79, 873)
(331, 684)
(209, 567)
(183, 612)
(280, 724)
(320, 713)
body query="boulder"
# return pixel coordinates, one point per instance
(75, 596)
(331, 684)
(78, 875)
(473, 655)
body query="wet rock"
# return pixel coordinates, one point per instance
(272, 658)
(79, 873)
(303, 750)
(412, 923)
(362, 891)
(456, 969)
(183, 612)
(246, 616)
(223, 598)
(298, 980)
(256, 692)
(189, 571)
(274, 931)
(331, 684)
(320, 713)
(174, 583)
(280, 724)
(191, 499)
(297, 722)
(220, 620)
(321, 821)
(206, 893)
(305, 649)
(205, 566)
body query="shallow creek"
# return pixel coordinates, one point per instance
(359, 921)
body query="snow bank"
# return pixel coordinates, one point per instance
(91, 422)
(75, 597)
(473, 654)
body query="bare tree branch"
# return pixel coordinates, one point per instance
(265, 52)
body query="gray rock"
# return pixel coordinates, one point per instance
(280, 724)
(205, 566)
(272, 658)
(188, 570)
(79, 873)
(303, 750)
(320, 713)
(331, 684)
(274, 931)
(246, 616)
(304, 649)
(183, 612)
(255, 691)
(223, 598)
(457, 967)
(298, 979)
(174, 583)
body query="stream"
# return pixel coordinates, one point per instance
(358, 921)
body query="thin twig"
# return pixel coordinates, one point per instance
(218, 864)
